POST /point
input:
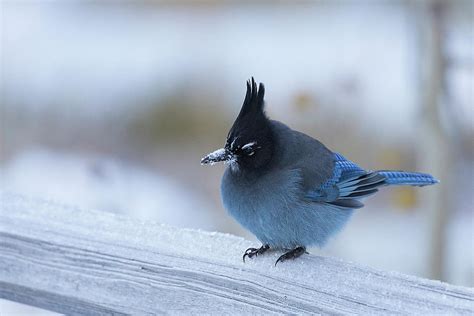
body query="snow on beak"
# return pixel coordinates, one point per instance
(217, 156)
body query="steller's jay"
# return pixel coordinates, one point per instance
(287, 188)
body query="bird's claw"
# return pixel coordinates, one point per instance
(251, 252)
(293, 254)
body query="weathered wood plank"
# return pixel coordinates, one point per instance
(75, 262)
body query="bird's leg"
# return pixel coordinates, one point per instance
(251, 252)
(292, 254)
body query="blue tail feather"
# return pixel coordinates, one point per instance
(407, 178)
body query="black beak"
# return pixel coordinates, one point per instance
(217, 156)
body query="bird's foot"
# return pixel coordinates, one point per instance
(293, 254)
(252, 252)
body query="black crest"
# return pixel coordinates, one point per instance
(252, 117)
(252, 127)
(253, 102)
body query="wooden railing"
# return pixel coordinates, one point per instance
(89, 262)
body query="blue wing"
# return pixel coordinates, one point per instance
(348, 183)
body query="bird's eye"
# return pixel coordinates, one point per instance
(249, 149)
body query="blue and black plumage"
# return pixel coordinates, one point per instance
(287, 188)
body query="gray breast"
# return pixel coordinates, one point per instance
(259, 203)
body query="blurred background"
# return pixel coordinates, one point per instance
(111, 105)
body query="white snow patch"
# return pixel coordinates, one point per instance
(212, 156)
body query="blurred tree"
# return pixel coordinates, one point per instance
(435, 150)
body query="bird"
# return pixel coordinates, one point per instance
(286, 187)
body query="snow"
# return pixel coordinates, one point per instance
(9, 308)
(211, 158)
(105, 257)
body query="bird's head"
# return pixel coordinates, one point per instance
(249, 144)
